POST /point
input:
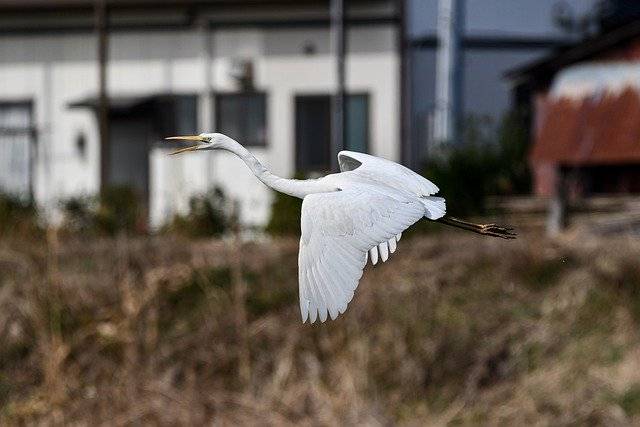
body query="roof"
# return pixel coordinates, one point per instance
(126, 102)
(32, 16)
(593, 130)
(90, 4)
(38, 6)
(594, 79)
(548, 65)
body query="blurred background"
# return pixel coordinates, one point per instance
(136, 287)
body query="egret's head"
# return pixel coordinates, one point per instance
(205, 141)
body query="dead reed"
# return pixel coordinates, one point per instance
(455, 329)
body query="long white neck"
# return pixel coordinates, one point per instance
(293, 187)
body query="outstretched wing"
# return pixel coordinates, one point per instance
(386, 172)
(338, 229)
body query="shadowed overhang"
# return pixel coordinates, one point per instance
(37, 16)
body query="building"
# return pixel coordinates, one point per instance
(585, 115)
(495, 37)
(262, 71)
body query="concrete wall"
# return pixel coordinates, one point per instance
(55, 70)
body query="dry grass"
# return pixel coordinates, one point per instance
(454, 330)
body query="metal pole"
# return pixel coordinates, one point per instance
(447, 70)
(103, 100)
(338, 113)
(406, 142)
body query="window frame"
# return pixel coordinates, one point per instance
(264, 97)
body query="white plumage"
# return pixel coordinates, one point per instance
(347, 218)
(339, 228)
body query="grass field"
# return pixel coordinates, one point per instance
(454, 329)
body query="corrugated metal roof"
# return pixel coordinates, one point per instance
(592, 79)
(600, 129)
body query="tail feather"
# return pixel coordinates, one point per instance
(435, 207)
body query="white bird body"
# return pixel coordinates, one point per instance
(346, 218)
(373, 202)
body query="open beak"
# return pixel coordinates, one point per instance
(197, 138)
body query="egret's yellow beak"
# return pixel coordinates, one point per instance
(197, 138)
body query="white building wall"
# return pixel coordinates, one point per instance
(54, 71)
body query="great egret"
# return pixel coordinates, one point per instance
(347, 218)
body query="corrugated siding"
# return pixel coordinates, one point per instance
(594, 130)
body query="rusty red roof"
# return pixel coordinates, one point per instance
(593, 130)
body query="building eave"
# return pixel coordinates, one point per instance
(588, 48)
(68, 16)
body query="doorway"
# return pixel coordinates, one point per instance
(129, 139)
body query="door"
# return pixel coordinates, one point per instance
(313, 133)
(129, 152)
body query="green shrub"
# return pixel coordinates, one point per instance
(79, 215)
(514, 175)
(210, 214)
(184, 305)
(465, 176)
(18, 216)
(629, 401)
(487, 162)
(285, 214)
(116, 210)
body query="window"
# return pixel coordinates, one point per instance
(242, 116)
(15, 148)
(313, 129)
(357, 123)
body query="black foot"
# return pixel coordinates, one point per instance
(498, 231)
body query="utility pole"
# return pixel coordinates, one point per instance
(103, 100)
(450, 23)
(406, 143)
(338, 110)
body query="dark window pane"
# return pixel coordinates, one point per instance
(313, 129)
(357, 123)
(243, 117)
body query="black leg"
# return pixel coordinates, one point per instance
(484, 229)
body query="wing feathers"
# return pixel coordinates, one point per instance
(386, 172)
(374, 255)
(435, 207)
(384, 251)
(340, 231)
(392, 244)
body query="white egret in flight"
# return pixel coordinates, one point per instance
(347, 219)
